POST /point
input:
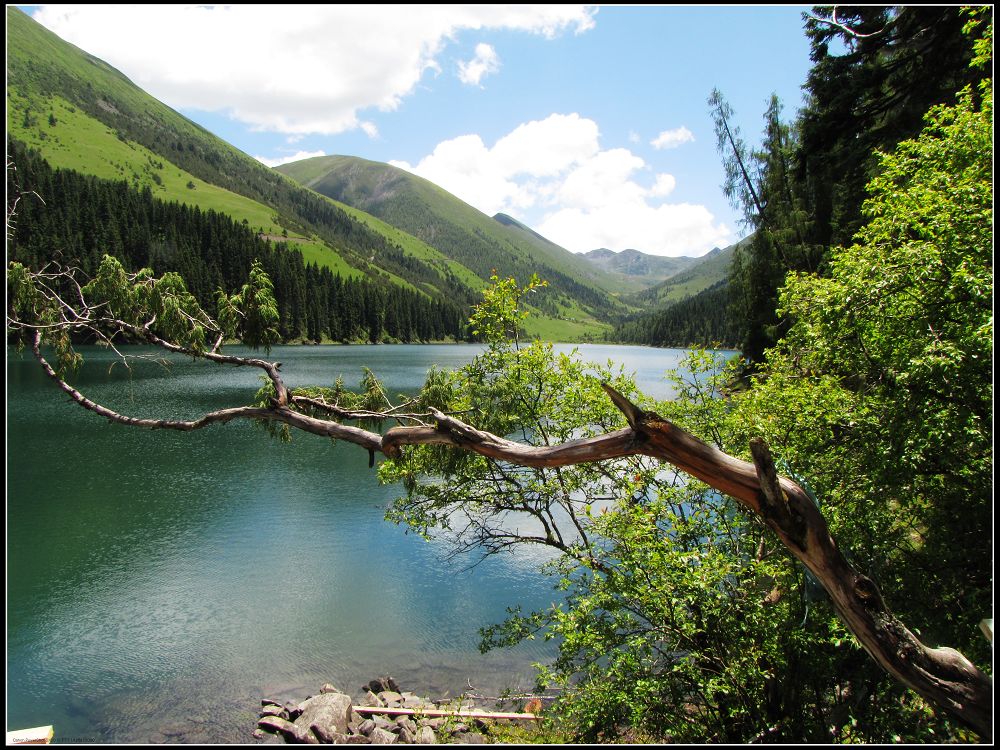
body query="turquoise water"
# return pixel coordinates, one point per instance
(160, 584)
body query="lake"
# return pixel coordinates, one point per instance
(160, 584)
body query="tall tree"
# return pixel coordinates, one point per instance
(876, 71)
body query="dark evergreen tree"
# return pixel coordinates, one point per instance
(83, 218)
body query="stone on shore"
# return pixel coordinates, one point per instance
(330, 711)
(288, 730)
(380, 736)
(426, 736)
(329, 718)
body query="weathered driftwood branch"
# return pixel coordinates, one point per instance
(440, 712)
(942, 675)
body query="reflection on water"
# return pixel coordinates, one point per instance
(160, 584)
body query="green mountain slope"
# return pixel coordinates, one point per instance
(635, 271)
(466, 235)
(82, 114)
(708, 271)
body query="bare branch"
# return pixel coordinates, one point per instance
(832, 21)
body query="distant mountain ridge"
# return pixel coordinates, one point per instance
(634, 270)
(355, 218)
(82, 114)
(464, 234)
(707, 271)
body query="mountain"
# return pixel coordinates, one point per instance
(633, 271)
(707, 271)
(80, 113)
(691, 308)
(464, 234)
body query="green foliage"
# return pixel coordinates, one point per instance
(883, 387)
(253, 312)
(83, 218)
(876, 72)
(702, 320)
(684, 619)
(867, 93)
(662, 628)
(881, 393)
(500, 315)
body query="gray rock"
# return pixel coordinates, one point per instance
(288, 730)
(405, 736)
(391, 697)
(274, 710)
(380, 736)
(473, 738)
(383, 723)
(328, 688)
(383, 683)
(374, 700)
(426, 736)
(357, 739)
(366, 727)
(406, 722)
(414, 701)
(325, 737)
(268, 702)
(329, 710)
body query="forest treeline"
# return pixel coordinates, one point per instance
(77, 219)
(703, 319)
(876, 72)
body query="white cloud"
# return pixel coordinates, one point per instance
(279, 160)
(582, 197)
(290, 69)
(669, 229)
(672, 138)
(547, 147)
(484, 63)
(370, 128)
(664, 185)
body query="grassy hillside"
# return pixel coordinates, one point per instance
(711, 270)
(455, 228)
(82, 114)
(632, 271)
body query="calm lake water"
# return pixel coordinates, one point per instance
(160, 584)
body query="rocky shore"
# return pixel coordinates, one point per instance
(333, 717)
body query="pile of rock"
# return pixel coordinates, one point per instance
(330, 718)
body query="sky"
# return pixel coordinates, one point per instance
(587, 123)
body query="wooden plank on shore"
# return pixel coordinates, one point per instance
(436, 712)
(33, 736)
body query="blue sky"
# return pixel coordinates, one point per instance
(589, 124)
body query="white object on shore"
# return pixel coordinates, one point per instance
(434, 712)
(34, 736)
